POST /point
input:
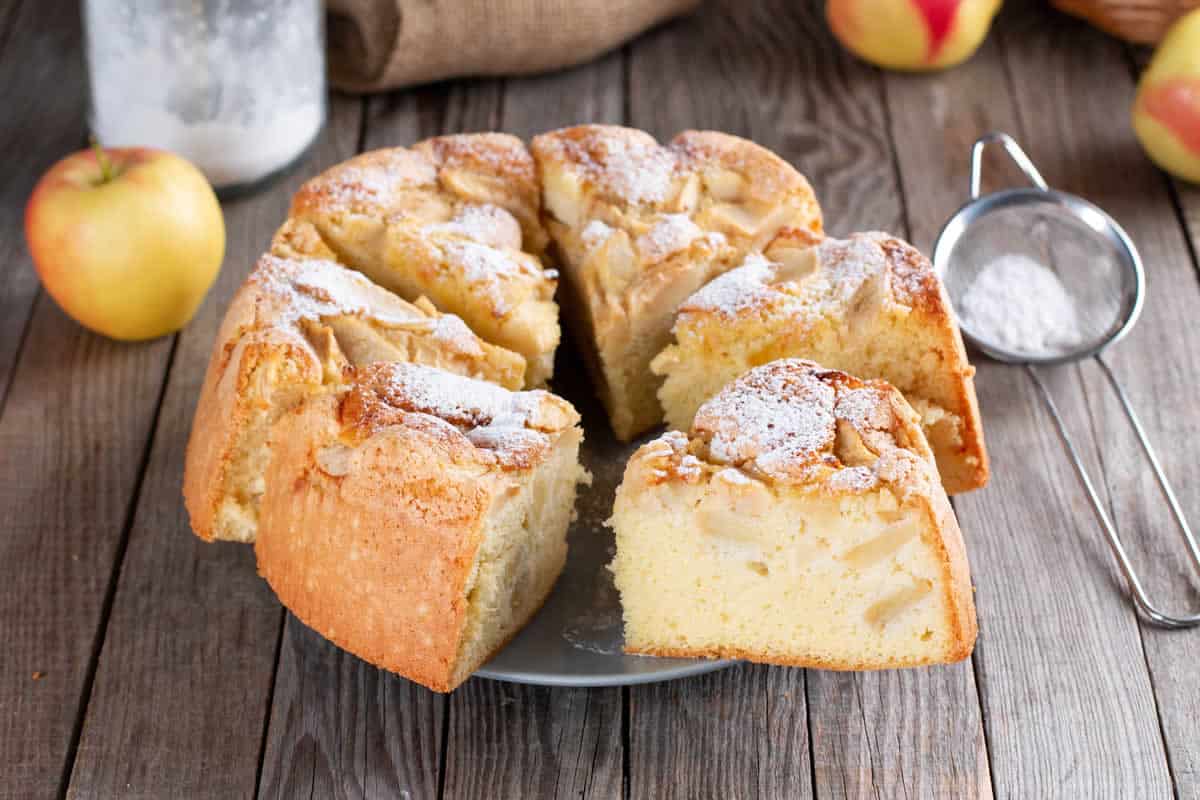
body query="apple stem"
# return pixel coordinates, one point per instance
(106, 168)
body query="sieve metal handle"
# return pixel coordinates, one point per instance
(1014, 152)
(1140, 598)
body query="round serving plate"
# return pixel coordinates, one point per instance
(576, 638)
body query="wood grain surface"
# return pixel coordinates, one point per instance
(509, 740)
(340, 728)
(41, 42)
(1172, 268)
(824, 112)
(528, 741)
(1077, 716)
(165, 667)
(192, 639)
(737, 733)
(73, 437)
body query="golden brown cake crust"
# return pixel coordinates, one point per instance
(639, 226)
(506, 429)
(794, 423)
(272, 338)
(454, 219)
(803, 280)
(375, 505)
(483, 168)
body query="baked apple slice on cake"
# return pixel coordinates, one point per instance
(292, 328)
(800, 522)
(453, 219)
(418, 519)
(639, 226)
(870, 305)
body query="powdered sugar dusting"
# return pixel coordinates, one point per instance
(689, 467)
(865, 408)
(450, 330)
(853, 479)
(315, 288)
(780, 421)
(486, 223)
(513, 425)
(671, 234)
(490, 268)
(635, 169)
(716, 239)
(734, 477)
(289, 290)
(457, 399)
(778, 418)
(736, 290)
(595, 233)
(374, 180)
(845, 268)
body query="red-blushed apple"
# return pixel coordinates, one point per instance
(911, 34)
(1166, 112)
(127, 241)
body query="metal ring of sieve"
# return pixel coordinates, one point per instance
(1104, 266)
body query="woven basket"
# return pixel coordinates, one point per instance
(1139, 21)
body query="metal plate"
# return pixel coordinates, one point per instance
(576, 640)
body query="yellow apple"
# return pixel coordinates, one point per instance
(911, 34)
(128, 241)
(1166, 112)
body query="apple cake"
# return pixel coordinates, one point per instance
(870, 305)
(418, 519)
(639, 226)
(291, 329)
(453, 219)
(800, 522)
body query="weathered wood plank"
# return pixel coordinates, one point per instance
(508, 740)
(771, 72)
(524, 741)
(342, 728)
(1189, 201)
(1170, 654)
(184, 678)
(73, 433)
(43, 85)
(1149, 364)
(1069, 709)
(852, 752)
(736, 733)
(591, 93)
(344, 749)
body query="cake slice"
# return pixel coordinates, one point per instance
(870, 305)
(295, 324)
(453, 219)
(638, 227)
(418, 519)
(801, 522)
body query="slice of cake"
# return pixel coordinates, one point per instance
(453, 219)
(639, 227)
(801, 522)
(292, 328)
(418, 519)
(870, 305)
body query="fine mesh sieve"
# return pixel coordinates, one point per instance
(1101, 273)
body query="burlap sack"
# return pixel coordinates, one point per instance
(383, 44)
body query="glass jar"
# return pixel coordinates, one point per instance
(237, 87)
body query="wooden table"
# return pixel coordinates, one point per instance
(138, 661)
